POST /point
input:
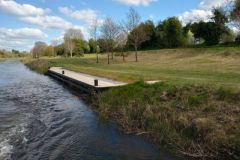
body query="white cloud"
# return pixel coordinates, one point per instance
(16, 9)
(33, 15)
(202, 13)
(136, 2)
(195, 15)
(209, 4)
(53, 22)
(86, 15)
(21, 38)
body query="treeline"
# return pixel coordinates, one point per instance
(133, 34)
(13, 53)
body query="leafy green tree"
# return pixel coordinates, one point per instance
(59, 49)
(211, 32)
(81, 47)
(173, 33)
(219, 17)
(150, 30)
(49, 51)
(159, 43)
(15, 52)
(207, 31)
(93, 46)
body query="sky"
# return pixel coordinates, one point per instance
(23, 22)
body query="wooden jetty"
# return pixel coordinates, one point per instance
(87, 83)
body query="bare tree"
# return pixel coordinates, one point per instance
(235, 13)
(54, 43)
(110, 31)
(133, 20)
(38, 49)
(94, 33)
(137, 34)
(122, 39)
(69, 37)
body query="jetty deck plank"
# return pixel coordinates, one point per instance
(88, 79)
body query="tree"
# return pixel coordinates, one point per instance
(212, 32)
(160, 35)
(38, 49)
(235, 14)
(93, 47)
(121, 42)
(94, 35)
(81, 47)
(49, 51)
(110, 31)
(69, 37)
(206, 31)
(150, 30)
(137, 37)
(59, 50)
(173, 32)
(55, 43)
(137, 33)
(220, 19)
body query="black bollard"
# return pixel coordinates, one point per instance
(95, 82)
(63, 72)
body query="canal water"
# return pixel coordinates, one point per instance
(42, 120)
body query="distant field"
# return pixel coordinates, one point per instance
(218, 66)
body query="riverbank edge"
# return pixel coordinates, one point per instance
(2, 60)
(183, 119)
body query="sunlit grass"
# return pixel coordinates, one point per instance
(177, 66)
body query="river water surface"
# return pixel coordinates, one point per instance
(42, 120)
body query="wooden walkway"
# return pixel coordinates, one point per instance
(85, 82)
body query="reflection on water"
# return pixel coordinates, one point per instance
(40, 119)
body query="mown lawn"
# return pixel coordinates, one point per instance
(214, 66)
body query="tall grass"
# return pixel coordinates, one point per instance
(196, 122)
(40, 66)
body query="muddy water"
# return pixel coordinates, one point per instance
(40, 119)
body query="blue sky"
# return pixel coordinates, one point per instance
(27, 21)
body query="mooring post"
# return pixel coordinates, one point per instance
(95, 82)
(63, 72)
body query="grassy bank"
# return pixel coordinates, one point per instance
(1, 59)
(40, 66)
(187, 112)
(215, 66)
(193, 121)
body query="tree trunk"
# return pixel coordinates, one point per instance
(97, 58)
(123, 57)
(71, 54)
(136, 53)
(112, 55)
(108, 58)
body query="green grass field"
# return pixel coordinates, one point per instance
(214, 66)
